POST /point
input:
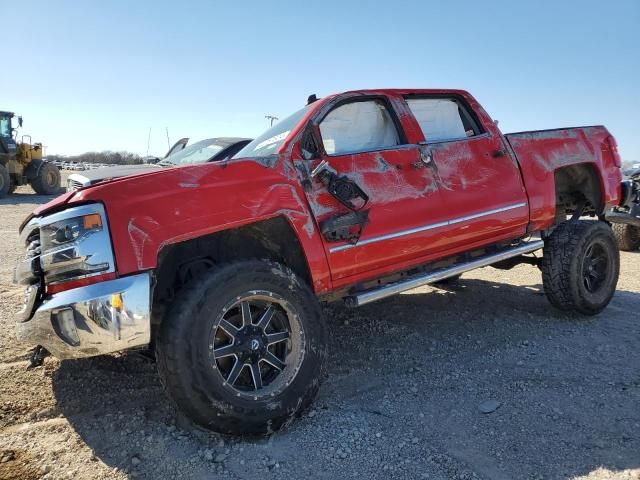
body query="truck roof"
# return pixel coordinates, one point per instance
(405, 91)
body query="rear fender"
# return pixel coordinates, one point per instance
(541, 154)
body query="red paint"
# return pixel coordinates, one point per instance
(150, 211)
(541, 153)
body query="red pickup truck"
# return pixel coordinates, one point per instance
(220, 268)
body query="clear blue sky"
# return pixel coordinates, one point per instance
(97, 75)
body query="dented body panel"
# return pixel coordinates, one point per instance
(179, 204)
(542, 153)
(426, 200)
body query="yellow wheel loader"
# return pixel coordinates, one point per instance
(22, 163)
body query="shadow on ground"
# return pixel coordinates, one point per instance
(28, 198)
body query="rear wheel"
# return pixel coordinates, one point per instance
(580, 266)
(627, 236)
(242, 350)
(5, 181)
(47, 180)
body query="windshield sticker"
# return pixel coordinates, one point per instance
(272, 140)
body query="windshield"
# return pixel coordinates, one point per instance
(5, 127)
(269, 142)
(199, 152)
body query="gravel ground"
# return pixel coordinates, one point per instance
(480, 380)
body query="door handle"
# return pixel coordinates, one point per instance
(425, 159)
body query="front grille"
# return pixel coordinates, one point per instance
(73, 184)
(28, 269)
(34, 251)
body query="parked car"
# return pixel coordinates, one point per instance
(357, 196)
(628, 231)
(209, 150)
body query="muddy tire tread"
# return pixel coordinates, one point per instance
(559, 273)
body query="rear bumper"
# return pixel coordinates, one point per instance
(102, 318)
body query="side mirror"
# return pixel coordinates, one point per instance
(308, 145)
(20, 121)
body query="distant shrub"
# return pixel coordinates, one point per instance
(118, 158)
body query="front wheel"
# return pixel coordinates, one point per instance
(242, 350)
(580, 266)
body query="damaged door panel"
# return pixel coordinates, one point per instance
(400, 190)
(479, 181)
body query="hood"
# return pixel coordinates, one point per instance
(166, 186)
(91, 177)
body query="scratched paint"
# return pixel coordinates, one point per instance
(541, 153)
(457, 167)
(137, 229)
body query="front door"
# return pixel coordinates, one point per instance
(363, 142)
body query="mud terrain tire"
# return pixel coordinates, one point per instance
(194, 376)
(580, 266)
(627, 236)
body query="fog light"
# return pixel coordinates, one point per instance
(67, 324)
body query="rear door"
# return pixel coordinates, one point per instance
(364, 142)
(480, 183)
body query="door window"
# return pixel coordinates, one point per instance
(358, 127)
(442, 119)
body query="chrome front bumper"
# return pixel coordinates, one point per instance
(93, 320)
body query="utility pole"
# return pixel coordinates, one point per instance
(148, 141)
(271, 119)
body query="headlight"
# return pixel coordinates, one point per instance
(66, 231)
(74, 243)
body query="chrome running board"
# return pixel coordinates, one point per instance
(362, 298)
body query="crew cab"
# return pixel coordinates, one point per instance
(220, 268)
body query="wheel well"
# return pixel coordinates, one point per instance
(577, 186)
(180, 263)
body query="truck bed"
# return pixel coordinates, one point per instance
(541, 153)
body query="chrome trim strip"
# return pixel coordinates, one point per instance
(369, 296)
(431, 226)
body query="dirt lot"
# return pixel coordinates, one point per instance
(409, 380)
